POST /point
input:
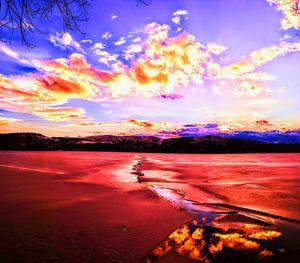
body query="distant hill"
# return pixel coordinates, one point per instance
(269, 136)
(207, 144)
(272, 136)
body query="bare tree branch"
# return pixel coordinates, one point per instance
(144, 2)
(22, 15)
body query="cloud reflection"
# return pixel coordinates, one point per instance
(206, 242)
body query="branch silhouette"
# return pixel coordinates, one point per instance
(22, 16)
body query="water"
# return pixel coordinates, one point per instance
(244, 207)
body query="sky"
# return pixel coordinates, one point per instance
(173, 68)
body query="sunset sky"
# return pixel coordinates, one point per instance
(173, 67)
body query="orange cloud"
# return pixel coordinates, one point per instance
(61, 114)
(140, 123)
(243, 75)
(263, 123)
(168, 63)
(144, 124)
(73, 77)
(4, 121)
(166, 66)
(256, 59)
(58, 81)
(266, 253)
(237, 241)
(178, 57)
(265, 235)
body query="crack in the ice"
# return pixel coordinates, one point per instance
(218, 228)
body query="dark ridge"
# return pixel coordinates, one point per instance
(207, 144)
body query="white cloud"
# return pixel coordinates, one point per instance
(106, 35)
(87, 41)
(176, 19)
(121, 41)
(131, 50)
(286, 37)
(215, 48)
(113, 16)
(179, 15)
(98, 45)
(105, 57)
(65, 41)
(137, 39)
(101, 52)
(217, 89)
(11, 53)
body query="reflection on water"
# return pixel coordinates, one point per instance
(235, 237)
(220, 232)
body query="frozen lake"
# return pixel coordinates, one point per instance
(127, 207)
